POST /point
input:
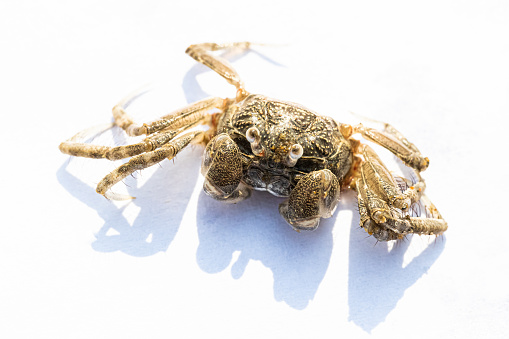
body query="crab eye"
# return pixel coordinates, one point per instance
(254, 138)
(253, 135)
(296, 152)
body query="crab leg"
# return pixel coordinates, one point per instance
(202, 53)
(149, 144)
(176, 119)
(169, 126)
(382, 205)
(369, 225)
(394, 141)
(78, 149)
(378, 177)
(427, 226)
(397, 228)
(139, 162)
(373, 203)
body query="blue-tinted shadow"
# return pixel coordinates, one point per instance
(377, 279)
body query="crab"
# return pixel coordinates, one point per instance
(255, 142)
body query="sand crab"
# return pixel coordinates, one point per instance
(254, 142)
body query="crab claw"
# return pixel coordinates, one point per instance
(315, 196)
(222, 169)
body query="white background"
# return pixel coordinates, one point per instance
(175, 263)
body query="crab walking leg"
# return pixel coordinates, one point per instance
(315, 196)
(386, 223)
(139, 162)
(397, 227)
(373, 203)
(169, 126)
(150, 143)
(190, 114)
(388, 128)
(78, 149)
(370, 226)
(415, 191)
(428, 226)
(84, 150)
(187, 118)
(397, 144)
(378, 178)
(378, 191)
(124, 120)
(202, 53)
(176, 119)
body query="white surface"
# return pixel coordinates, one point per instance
(174, 263)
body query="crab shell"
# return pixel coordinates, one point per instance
(281, 141)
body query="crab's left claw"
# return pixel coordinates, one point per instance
(315, 196)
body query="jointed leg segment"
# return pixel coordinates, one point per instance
(192, 113)
(202, 53)
(161, 131)
(139, 162)
(157, 146)
(75, 148)
(383, 206)
(394, 141)
(160, 142)
(379, 179)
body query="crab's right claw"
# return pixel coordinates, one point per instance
(222, 169)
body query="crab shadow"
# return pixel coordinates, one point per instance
(252, 230)
(156, 224)
(377, 279)
(233, 235)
